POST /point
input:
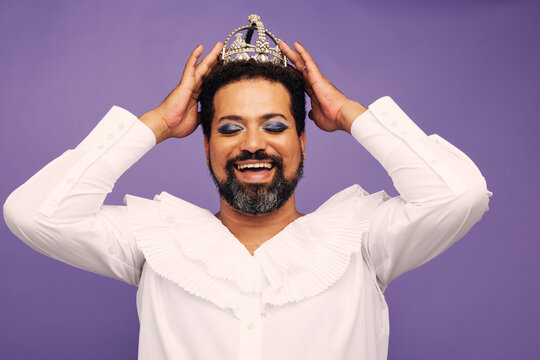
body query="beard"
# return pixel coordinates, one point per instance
(255, 199)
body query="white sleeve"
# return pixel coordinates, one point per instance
(442, 192)
(60, 213)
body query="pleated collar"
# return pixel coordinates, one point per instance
(189, 246)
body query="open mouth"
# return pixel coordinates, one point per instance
(259, 166)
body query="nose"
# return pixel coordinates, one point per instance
(253, 141)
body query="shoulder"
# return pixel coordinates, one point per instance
(354, 201)
(164, 207)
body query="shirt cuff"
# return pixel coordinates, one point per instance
(119, 139)
(125, 133)
(384, 126)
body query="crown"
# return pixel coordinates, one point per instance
(242, 49)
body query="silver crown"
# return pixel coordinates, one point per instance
(242, 49)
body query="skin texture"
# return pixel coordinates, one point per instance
(249, 101)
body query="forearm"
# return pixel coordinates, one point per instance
(116, 143)
(442, 193)
(60, 212)
(420, 166)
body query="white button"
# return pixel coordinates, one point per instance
(250, 325)
(101, 147)
(69, 180)
(110, 137)
(384, 113)
(403, 132)
(394, 124)
(434, 162)
(121, 126)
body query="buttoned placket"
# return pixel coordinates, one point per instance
(251, 328)
(250, 315)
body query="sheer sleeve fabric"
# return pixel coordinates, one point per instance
(442, 192)
(60, 213)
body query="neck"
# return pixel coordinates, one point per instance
(254, 230)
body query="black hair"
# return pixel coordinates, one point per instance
(234, 71)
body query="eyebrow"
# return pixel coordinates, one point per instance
(264, 117)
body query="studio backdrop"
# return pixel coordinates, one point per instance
(466, 70)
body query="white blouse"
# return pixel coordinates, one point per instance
(314, 291)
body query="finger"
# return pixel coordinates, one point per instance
(292, 55)
(209, 61)
(190, 64)
(306, 57)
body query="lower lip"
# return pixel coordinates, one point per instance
(255, 176)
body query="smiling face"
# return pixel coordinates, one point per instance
(254, 152)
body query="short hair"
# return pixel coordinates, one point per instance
(234, 71)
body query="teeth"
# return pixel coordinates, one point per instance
(255, 166)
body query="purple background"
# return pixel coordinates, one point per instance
(467, 70)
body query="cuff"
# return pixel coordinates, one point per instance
(119, 139)
(384, 126)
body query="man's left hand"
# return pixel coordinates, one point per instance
(330, 109)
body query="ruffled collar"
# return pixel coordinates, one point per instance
(189, 246)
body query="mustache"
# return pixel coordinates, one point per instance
(258, 155)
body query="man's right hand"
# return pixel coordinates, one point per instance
(177, 115)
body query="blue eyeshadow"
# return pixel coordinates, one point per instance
(275, 126)
(229, 128)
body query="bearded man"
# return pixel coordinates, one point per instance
(257, 280)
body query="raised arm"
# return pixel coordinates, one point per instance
(59, 211)
(442, 192)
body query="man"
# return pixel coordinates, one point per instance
(257, 280)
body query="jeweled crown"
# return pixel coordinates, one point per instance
(242, 49)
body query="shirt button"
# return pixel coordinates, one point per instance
(101, 147)
(250, 325)
(394, 124)
(403, 132)
(384, 113)
(110, 137)
(121, 126)
(69, 180)
(434, 162)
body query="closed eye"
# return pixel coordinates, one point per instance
(274, 126)
(230, 128)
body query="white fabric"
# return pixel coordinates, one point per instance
(313, 291)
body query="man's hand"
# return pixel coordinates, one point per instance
(177, 115)
(330, 109)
